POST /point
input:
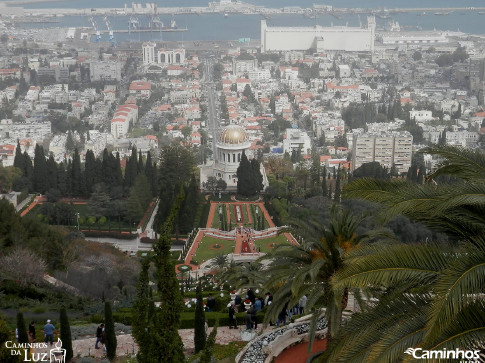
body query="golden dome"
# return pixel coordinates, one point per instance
(233, 135)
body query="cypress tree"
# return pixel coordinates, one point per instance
(140, 166)
(149, 173)
(69, 177)
(206, 356)
(256, 176)
(51, 173)
(199, 323)
(66, 334)
(91, 173)
(6, 354)
(77, 185)
(337, 185)
(18, 161)
(244, 176)
(29, 169)
(61, 179)
(40, 170)
(109, 330)
(131, 169)
(106, 173)
(116, 167)
(141, 325)
(166, 344)
(155, 183)
(324, 183)
(22, 332)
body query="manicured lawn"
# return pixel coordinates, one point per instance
(232, 213)
(208, 249)
(230, 207)
(245, 214)
(216, 223)
(265, 243)
(253, 212)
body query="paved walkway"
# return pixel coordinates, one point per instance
(127, 346)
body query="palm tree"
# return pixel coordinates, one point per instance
(438, 287)
(306, 269)
(245, 275)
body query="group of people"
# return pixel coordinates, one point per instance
(251, 304)
(299, 308)
(48, 332)
(247, 243)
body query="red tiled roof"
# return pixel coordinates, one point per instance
(140, 86)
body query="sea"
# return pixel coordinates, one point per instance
(207, 27)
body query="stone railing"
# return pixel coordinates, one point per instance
(267, 346)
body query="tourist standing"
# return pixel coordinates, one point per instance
(32, 332)
(232, 316)
(302, 304)
(251, 296)
(258, 304)
(249, 320)
(282, 315)
(254, 316)
(49, 332)
(211, 303)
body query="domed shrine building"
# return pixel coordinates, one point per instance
(232, 141)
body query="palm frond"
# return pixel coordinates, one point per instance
(458, 286)
(374, 266)
(465, 331)
(463, 163)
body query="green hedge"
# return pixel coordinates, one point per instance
(111, 234)
(186, 318)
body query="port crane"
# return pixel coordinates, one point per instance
(110, 31)
(95, 26)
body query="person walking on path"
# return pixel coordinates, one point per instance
(232, 316)
(99, 335)
(254, 316)
(32, 332)
(249, 320)
(302, 304)
(49, 332)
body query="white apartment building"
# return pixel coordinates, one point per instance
(296, 139)
(462, 138)
(421, 116)
(120, 123)
(388, 149)
(259, 74)
(243, 66)
(148, 50)
(25, 130)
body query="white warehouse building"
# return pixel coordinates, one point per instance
(322, 39)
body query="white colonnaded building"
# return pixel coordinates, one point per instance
(232, 141)
(322, 39)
